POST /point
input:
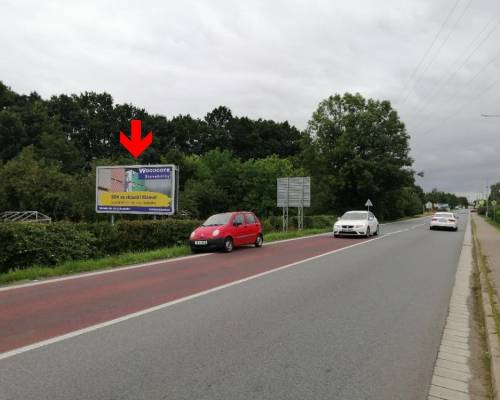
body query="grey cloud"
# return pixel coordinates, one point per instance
(273, 59)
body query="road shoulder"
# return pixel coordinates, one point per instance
(487, 259)
(458, 371)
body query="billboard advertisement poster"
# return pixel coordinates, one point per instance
(137, 189)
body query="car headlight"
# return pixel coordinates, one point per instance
(359, 226)
(216, 233)
(192, 235)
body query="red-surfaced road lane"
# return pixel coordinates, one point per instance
(34, 313)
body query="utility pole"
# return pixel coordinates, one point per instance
(487, 200)
(487, 188)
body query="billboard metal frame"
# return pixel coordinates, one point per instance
(175, 189)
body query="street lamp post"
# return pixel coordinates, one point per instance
(487, 201)
(487, 188)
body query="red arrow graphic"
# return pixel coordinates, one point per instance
(138, 144)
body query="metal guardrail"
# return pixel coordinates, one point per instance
(24, 216)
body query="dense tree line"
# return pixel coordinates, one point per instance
(451, 199)
(354, 148)
(494, 192)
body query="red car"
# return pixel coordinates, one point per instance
(226, 231)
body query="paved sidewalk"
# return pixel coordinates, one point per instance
(489, 237)
(488, 254)
(458, 362)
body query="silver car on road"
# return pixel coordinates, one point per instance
(356, 223)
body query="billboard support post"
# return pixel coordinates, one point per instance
(285, 219)
(112, 219)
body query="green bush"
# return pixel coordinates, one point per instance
(310, 222)
(323, 221)
(496, 214)
(25, 244)
(148, 235)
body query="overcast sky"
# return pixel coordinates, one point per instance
(277, 60)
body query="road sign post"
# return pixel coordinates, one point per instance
(294, 192)
(368, 204)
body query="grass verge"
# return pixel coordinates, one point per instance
(482, 265)
(480, 317)
(274, 236)
(492, 223)
(72, 267)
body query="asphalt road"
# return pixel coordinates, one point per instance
(36, 312)
(362, 323)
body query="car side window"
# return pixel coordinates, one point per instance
(250, 218)
(239, 219)
(371, 215)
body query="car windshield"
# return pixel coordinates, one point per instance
(443, 215)
(217, 219)
(355, 215)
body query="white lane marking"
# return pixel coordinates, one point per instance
(148, 264)
(79, 332)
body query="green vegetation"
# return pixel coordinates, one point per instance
(481, 265)
(452, 200)
(480, 317)
(129, 258)
(495, 224)
(493, 208)
(25, 244)
(353, 148)
(274, 236)
(72, 267)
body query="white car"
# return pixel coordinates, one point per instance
(356, 223)
(444, 220)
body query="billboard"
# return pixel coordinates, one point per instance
(137, 189)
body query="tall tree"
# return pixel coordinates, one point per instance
(359, 149)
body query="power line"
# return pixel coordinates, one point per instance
(443, 43)
(478, 73)
(463, 63)
(434, 40)
(480, 94)
(466, 60)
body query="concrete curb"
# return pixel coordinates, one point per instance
(452, 370)
(490, 326)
